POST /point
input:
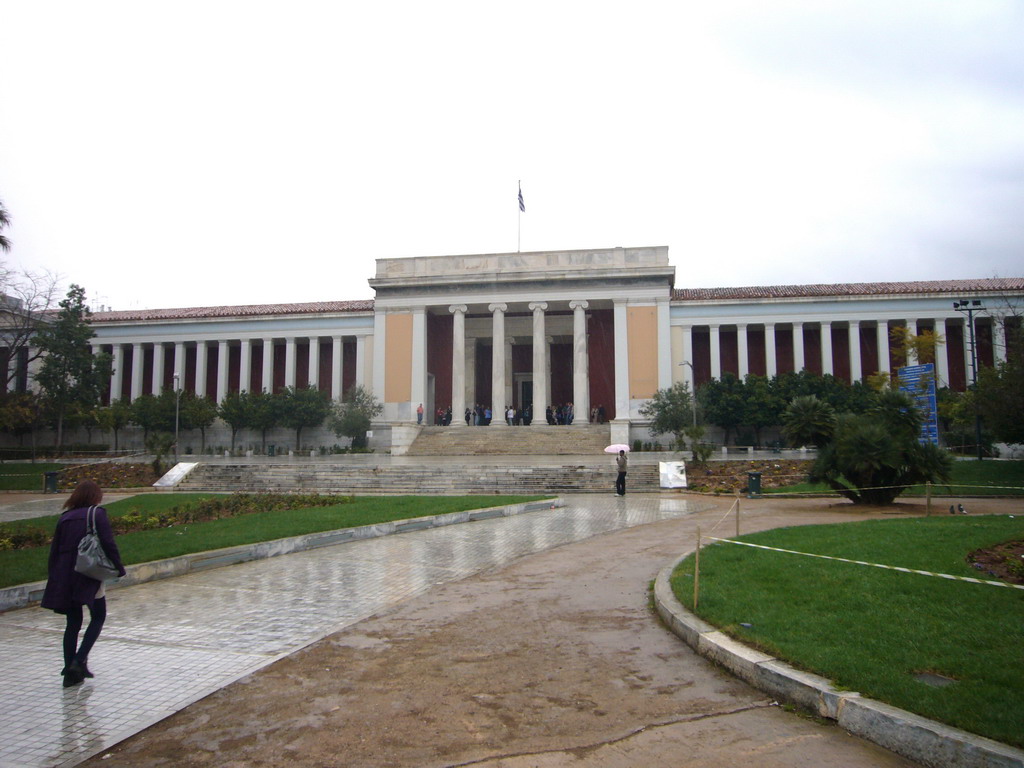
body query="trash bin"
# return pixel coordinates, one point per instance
(50, 482)
(270, 450)
(753, 485)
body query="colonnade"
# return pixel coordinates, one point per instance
(860, 358)
(170, 361)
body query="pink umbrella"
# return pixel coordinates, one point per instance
(616, 447)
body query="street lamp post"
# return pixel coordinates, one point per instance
(970, 307)
(693, 395)
(177, 411)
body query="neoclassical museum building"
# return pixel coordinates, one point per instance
(605, 327)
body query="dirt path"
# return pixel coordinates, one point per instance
(556, 660)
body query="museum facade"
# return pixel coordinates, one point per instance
(602, 328)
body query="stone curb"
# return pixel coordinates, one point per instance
(24, 595)
(912, 736)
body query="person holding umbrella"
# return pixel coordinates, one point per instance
(620, 464)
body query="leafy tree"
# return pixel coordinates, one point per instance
(872, 457)
(5, 221)
(808, 421)
(1000, 399)
(306, 407)
(114, 418)
(671, 412)
(265, 413)
(70, 374)
(236, 411)
(194, 413)
(353, 415)
(21, 413)
(762, 406)
(922, 346)
(153, 413)
(723, 403)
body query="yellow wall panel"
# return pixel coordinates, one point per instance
(398, 353)
(642, 338)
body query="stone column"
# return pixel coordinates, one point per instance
(498, 364)
(313, 364)
(222, 370)
(158, 368)
(289, 361)
(361, 361)
(418, 391)
(458, 363)
(688, 377)
(200, 388)
(799, 360)
(379, 357)
(716, 351)
(245, 366)
(771, 358)
(827, 367)
(856, 369)
(337, 371)
(580, 362)
(268, 366)
(179, 364)
(621, 363)
(998, 344)
(911, 354)
(138, 357)
(540, 367)
(941, 354)
(117, 375)
(882, 334)
(743, 365)
(664, 352)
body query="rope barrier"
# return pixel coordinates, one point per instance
(873, 565)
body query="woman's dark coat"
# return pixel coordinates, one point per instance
(65, 587)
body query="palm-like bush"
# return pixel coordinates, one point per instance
(872, 457)
(808, 421)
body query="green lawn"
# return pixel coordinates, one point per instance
(26, 565)
(871, 630)
(970, 478)
(25, 476)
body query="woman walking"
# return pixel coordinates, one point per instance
(67, 590)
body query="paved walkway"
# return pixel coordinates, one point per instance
(205, 630)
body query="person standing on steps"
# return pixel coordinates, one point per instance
(67, 591)
(620, 481)
(419, 414)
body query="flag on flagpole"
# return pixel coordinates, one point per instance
(522, 205)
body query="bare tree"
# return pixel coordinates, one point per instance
(26, 302)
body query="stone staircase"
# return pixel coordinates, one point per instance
(534, 440)
(452, 478)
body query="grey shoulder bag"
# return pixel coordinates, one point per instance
(92, 560)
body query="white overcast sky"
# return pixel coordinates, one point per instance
(204, 153)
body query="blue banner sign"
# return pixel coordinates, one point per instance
(918, 381)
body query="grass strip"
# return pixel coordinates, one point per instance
(872, 630)
(25, 477)
(20, 566)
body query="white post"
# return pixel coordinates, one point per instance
(268, 365)
(882, 334)
(688, 357)
(799, 360)
(856, 369)
(771, 358)
(116, 376)
(741, 350)
(289, 361)
(158, 368)
(313, 363)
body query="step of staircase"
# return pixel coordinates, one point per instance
(502, 440)
(451, 479)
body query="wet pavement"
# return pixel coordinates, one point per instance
(205, 630)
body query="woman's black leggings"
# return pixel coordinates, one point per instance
(97, 615)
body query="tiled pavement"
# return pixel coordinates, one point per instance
(202, 631)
